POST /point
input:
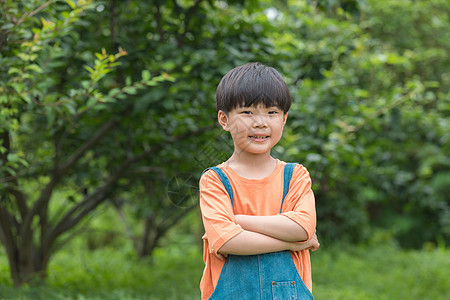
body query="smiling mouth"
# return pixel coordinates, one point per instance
(259, 137)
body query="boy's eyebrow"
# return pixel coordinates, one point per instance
(254, 106)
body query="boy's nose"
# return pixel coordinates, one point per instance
(259, 121)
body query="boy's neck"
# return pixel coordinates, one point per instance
(252, 166)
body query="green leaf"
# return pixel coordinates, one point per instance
(24, 56)
(70, 108)
(11, 171)
(12, 157)
(7, 26)
(65, 14)
(146, 75)
(13, 70)
(26, 97)
(168, 65)
(99, 56)
(91, 102)
(100, 107)
(131, 90)
(85, 84)
(113, 92)
(122, 96)
(89, 69)
(71, 4)
(18, 87)
(34, 67)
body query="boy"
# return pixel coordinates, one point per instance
(255, 208)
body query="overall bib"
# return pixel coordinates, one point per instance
(264, 276)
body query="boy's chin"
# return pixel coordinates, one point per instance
(254, 151)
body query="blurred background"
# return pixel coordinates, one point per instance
(107, 119)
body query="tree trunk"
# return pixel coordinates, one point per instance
(27, 266)
(150, 238)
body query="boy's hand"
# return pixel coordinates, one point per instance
(221, 256)
(312, 244)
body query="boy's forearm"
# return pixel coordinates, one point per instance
(277, 226)
(250, 243)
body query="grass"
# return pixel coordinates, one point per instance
(351, 273)
(111, 274)
(381, 273)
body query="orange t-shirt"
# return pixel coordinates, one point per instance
(260, 197)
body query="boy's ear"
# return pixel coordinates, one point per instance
(285, 118)
(223, 120)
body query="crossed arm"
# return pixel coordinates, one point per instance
(260, 234)
(263, 234)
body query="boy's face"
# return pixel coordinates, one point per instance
(254, 129)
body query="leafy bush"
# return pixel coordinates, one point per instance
(370, 115)
(380, 272)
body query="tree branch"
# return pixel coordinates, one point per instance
(77, 212)
(13, 181)
(91, 201)
(188, 16)
(112, 26)
(30, 14)
(159, 23)
(26, 232)
(20, 198)
(87, 145)
(166, 225)
(7, 236)
(4, 32)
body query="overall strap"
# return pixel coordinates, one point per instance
(288, 170)
(225, 181)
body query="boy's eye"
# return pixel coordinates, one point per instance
(273, 112)
(246, 112)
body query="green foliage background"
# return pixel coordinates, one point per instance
(109, 105)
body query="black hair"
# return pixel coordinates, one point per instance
(250, 85)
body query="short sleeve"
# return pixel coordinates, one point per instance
(300, 203)
(217, 211)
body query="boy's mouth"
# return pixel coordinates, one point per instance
(259, 138)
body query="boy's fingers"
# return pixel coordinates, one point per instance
(315, 246)
(221, 256)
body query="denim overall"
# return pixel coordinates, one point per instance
(264, 276)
